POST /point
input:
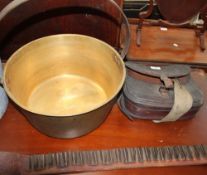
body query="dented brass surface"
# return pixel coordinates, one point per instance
(64, 75)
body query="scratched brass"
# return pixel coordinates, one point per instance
(64, 75)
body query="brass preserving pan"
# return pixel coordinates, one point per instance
(65, 84)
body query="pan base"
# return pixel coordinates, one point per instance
(66, 95)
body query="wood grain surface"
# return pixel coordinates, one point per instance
(174, 45)
(177, 11)
(38, 18)
(17, 135)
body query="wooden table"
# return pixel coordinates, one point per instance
(168, 45)
(17, 135)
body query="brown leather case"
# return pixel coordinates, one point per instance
(149, 91)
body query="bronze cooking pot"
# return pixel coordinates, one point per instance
(65, 84)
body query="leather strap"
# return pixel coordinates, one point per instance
(183, 102)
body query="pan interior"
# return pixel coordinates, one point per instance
(64, 75)
(71, 94)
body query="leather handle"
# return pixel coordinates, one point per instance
(183, 102)
(125, 24)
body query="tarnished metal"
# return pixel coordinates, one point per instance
(64, 84)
